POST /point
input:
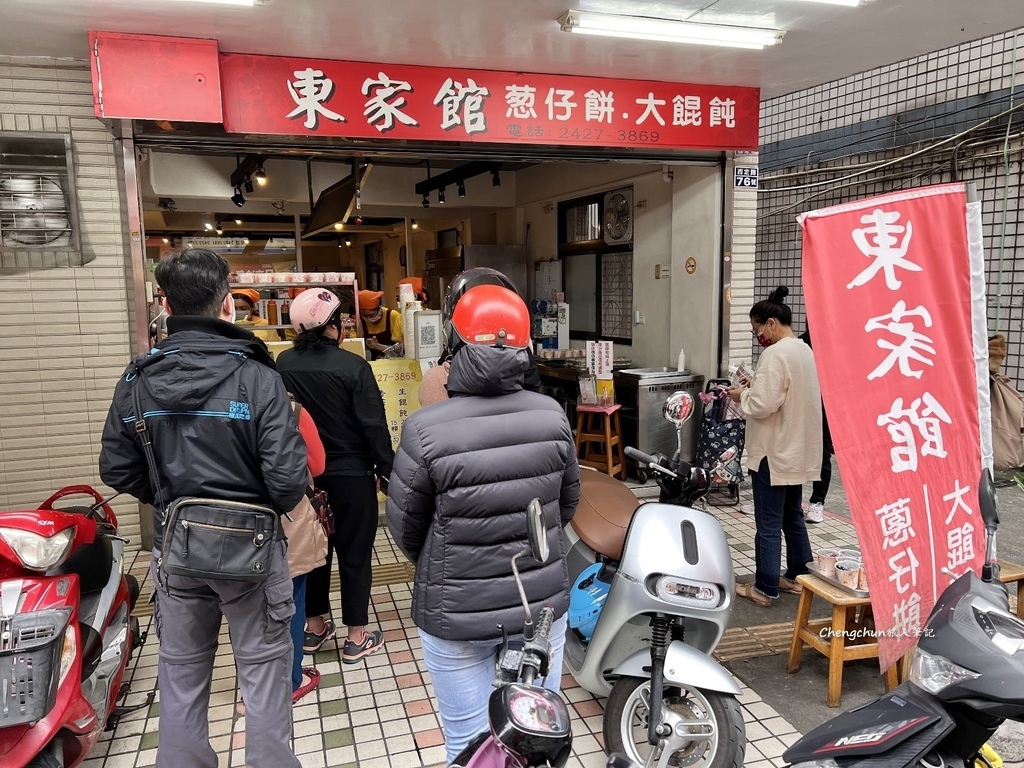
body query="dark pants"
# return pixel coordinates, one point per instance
(777, 513)
(188, 614)
(819, 489)
(354, 503)
(298, 627)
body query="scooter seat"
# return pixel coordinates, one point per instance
(605, 509)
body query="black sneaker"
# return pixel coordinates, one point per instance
(312, 642)
(353, 652)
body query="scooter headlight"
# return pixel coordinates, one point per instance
(673, 589)
(934, 673)
(38, 552)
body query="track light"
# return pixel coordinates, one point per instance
(495, 179)
(220, 231)
(248, 185)
(462, 189)
(340, 225)
(260, 176)
(208, 226)
(348, 243)
(415, 225)
(426, 200)
(238, 222)
(167, 240)
(237, 198)
(440, 196)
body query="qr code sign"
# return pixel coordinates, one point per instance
(428, 335)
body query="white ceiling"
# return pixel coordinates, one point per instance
(823, 42)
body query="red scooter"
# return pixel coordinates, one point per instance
(66, 630)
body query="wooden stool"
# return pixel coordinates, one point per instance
(849, 633)
(1011, 573)
(599, 424)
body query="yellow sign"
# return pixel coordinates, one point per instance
(399, 382)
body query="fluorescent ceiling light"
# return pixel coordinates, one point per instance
(666, 30)
(249, 3)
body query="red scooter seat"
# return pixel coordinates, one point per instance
(605, 509)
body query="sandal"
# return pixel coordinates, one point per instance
(790, 585)
(302, 690)
(753, 594)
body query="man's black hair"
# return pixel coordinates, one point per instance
(195, 282)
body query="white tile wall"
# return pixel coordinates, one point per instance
(744, 225)
(64, 330)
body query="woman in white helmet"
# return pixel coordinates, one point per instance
(340, 392)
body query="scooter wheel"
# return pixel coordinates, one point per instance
(52, 757)
(642, 477)
(626, 719)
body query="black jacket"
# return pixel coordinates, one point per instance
(340, 392)
(466, 469)
(219, 418)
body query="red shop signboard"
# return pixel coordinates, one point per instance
(272, 95)
(895, 304)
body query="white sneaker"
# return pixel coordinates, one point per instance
(814, 513)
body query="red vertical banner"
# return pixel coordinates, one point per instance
(894, 318)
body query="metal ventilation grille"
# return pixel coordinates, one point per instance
(33, 209)
(617, 295)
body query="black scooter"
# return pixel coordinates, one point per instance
(966, 678)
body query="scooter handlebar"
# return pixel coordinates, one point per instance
(638, 455)
(544, 622)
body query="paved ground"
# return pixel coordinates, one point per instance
(382, 713)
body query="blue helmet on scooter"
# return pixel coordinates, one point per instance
(587, 599)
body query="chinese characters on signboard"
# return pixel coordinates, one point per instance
(399, 382)
(277, 95)
(902, 398)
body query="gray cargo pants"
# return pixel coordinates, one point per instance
(188, 617)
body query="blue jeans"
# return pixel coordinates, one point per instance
(298, 628)
(463, 672)
(777, 513)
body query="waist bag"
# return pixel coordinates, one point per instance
(207, 538)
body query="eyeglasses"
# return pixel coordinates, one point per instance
(757, 331)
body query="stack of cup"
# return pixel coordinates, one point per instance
(825, 561)
(407, 297)
(849, 568)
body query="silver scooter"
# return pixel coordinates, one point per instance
(671, 595)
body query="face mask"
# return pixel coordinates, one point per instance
(241, 315)
(763, 340)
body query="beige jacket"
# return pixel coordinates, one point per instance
(783, 410)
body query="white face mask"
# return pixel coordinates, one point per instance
(241, 315)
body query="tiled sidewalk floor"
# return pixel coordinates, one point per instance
(382, 713)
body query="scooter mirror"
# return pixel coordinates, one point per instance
(537, 532)
(987, 499)
(678, 407)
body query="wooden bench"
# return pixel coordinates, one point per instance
(848, 635)
(1011, 573)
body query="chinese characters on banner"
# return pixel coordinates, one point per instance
(889, 303)
(399, 382)
(286, 96)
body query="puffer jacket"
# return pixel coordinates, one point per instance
(219, 418)
(465, 471)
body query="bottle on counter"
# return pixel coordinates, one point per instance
(272, 312)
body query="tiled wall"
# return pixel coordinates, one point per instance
(64, 332)
(742, 261)
(950, 109)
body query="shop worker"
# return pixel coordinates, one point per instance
(221, 427)
(420, 293)
(246, 315)
(466, 470)
(382, 327)
(340, 392)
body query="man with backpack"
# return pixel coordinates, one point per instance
(205, 415)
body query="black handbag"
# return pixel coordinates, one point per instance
(207, 538)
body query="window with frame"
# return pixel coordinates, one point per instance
(37, 200)
(597, 276)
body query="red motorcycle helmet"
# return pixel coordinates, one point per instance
(492, 316)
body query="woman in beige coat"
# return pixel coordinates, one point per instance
(782, 405)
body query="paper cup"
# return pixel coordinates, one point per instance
(245, 277)
(262, 277)
(825, 559)
(862, 579)
(848, 573)
(851, 554)
(330, 277)
(283, 277)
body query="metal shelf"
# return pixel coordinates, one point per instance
(272, 286)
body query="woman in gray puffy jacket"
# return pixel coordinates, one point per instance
(465, 471)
